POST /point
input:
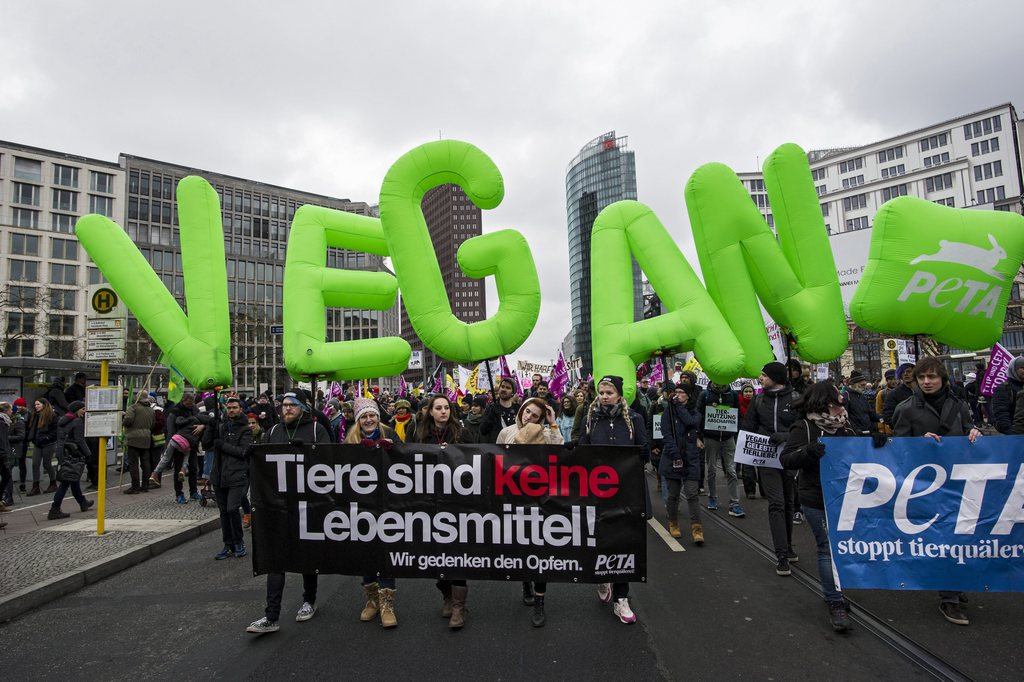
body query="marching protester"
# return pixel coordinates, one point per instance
(370, 433)
(43, 434)
(720, 446)
(566, 417)
(881, 396)
(609, 421)
(680, 462)
(902, 391)
(747, 472)
(439, 427)
(500, 413)
(138, 436)
(403, 423)
(183, 432)
(229, 475)
(72, 453)
(769, 414)
(934, 412)
(1004, 398)
(583, 404)
(473, 421)
(297, 426)
(6, 453)
(859, 409)
(16, 438)
(824, 415)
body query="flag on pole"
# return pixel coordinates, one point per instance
(995, 373)
(559, 377)
(658, 373)
(451, 388)
(335, 391)
(402, 386)
(506, 373)
(366, 389)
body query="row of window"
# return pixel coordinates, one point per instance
(851, 165)
(27, 217)
(987, 196)
(893, 171)
(860, 223)
(60, 273)
(936, 160)
(855, 181)
(28, 297)
(63, 175)
(25, 323)
(934, 142)
(890, 154)
(985, 146)
(985, 171)
(28, 245)
(985, 126)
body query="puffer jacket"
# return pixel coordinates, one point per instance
(71, 442)
(770, 414)
(684, 443)
(231, 450)
(138, 425)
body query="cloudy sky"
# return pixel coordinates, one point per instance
(324, 96)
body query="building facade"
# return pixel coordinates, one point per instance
(451, 219)
(602, 173)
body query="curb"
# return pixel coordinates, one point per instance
(22, 601)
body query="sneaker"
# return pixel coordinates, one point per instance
(712, 504)
(623, 611)
(955, 612)
(154, 482)
(604, 592)
(701, 491)
(736, 510)
(263, 625)
(306, 612)
(798, 518)
(240, 550)
(792, 556)
(196, 496)
(224, 553)
(180, 499)
(783, 567)
(839, 616)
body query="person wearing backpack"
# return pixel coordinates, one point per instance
(72, 453)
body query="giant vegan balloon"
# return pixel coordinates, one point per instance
(504, 254)
(939, 271)
(198, 344)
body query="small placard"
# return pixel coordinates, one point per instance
(103, 398)
(102, 424)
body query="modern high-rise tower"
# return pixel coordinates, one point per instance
(602, 173)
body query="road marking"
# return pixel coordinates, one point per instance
(140, 525)
(672, 543)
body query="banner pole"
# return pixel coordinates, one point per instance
(490, 380)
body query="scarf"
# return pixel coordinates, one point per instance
(609, 411)
(829, 423)
(937, 399)
(400, 424)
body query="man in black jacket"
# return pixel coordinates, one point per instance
(500, 413)
(769, 414)
(230, 475)
(1004, 399)
(71, 449)
(859, 409)
(297, 427)
(905, 389)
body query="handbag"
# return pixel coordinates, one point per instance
(70, 470)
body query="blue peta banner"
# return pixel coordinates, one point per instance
(921, 515)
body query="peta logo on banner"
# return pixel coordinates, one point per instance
(970, 255)
(975, 297)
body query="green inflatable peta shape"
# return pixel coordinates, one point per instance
(198, 344)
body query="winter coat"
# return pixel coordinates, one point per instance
(795, 456)
(6, 451)
(159, 429)
(565, 423)
(709, 396)
(409, 430)
(861, 412)
(508, 434)
(302, 431)
(43, 436)
(183, 420)
(894, 398)
(915, 417)
(495, 419)
(75, 391)
(17, 434)
(596, 430)
(71, 444)
(579, 418)
(55, 395)
(231, 449)
(680, 442)
(471, 424)
(1004, 404)
(138, 426)
(770, 414)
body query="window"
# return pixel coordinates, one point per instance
(21, 323)
(66, 249)
(96, 277)
(24, 217)
(25, 193)
(24, 244)
(156, 186)
(936, 160)
(893, 171)
(62, 325)
(101, 205)
(65, 176)
(28, 169)
(985, 126)
(855, 181)
(855, 202)
(893, 192)
(948, 201)
(23, 270)
(860, 223)
(890, 154)
(985, 146)
(757, 185)
(65, 200)
(987, 196)
(62, 299)
(63, 223)
(22, 297)
(133, 182)
(851, 165)
(24, 348)
(63, 274)
(60, 348)
(935, 141)
(939, 182)
(820, 189)
(986, 171)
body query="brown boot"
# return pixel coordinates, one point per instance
(446, 594)
(35, 490)
(372, 603)
(52, 488)
(459, 610)
(698, 533)
(387, 608)
(673, 529)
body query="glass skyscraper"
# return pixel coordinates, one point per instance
(602, 173)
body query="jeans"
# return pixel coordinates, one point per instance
(43, 456)
(723, 451)
(62, 489)
(228, 501)
(138, 457)
(779, 487)
(819, 525)
(384, 583)
(275, 590)
(207, 464)
(689, 490)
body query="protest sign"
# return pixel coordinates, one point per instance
(995, 373)
(757, 450)
(922, 515)
(721, 418)
(472, 512)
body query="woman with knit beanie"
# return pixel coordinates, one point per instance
(403, 422)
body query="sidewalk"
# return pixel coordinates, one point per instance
(41, 560)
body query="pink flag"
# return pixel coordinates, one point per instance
(658, 373)
(335, 389)
(506, 373)
(402, 387)
(559, 377)
(438, 385)
(995, 373)
(519, 384)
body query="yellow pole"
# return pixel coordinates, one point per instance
(101, 476)
(892, 361)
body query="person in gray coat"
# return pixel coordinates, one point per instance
(138, 437)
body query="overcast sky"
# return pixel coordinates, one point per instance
(324, 96)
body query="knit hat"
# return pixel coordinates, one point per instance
(614, 380)
(903, 368)
(480, 401)
(777, 372)
(365, 405)
(335, 403)
(1017, 363)
(856, 376)
(75, 406)
(399, 404)
(20, 402)
(890, 374)
(292, 399)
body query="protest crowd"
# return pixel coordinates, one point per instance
(686, 429)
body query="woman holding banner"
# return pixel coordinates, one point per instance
(609, 421)
(438, 426)
(824, 416)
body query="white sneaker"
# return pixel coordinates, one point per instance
(306, 612)
(604, 592)
(623, 611)
(263, 625)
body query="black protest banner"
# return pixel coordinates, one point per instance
(521, 512)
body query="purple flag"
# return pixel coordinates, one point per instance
(438, 385)
(506, 373)
(335, 389)
(559, 377)
(402, 387)
(995, 373)
(658, 373)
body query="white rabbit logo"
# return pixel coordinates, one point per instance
(970, 255)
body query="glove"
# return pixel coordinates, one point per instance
(367, 443)
(385, 443)
(879, 439)
(248, 451)
(817, 449)
(779, 437)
